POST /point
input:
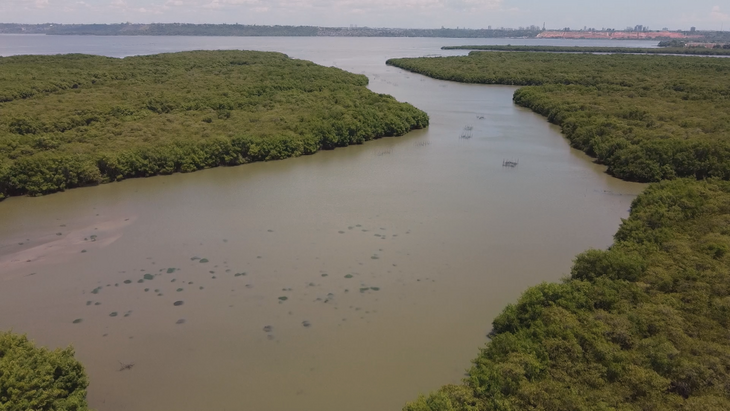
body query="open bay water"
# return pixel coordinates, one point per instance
(351, 279)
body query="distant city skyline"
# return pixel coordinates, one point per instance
(474, 14)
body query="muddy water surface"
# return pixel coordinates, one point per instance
(351, 279)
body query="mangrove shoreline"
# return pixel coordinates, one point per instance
(78, 120)
(644, 324)
(643, 126)
(694, 51)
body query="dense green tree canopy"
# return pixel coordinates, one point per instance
(676, 49)
(35, 378)
(647, 118)
(73, 120)
(642, 325)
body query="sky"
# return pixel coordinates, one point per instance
(618, 14)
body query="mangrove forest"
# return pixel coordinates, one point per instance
(76, 120)
(640, 326)
(35, 378)
(643, 325)
(699, 51)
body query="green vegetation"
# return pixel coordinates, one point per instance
(74, 120)
(678, 49)
(707, 36)
(34, 378)
(644, 324)
(641, 326)
(647, 118)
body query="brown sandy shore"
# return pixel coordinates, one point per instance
(54, 248)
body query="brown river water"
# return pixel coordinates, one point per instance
(353, 279)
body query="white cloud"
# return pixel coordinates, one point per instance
(353, 6)
(704, 14)
(474, 5)
(219, 4)
(717, 15)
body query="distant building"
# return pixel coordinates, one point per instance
(692, 29)
(614, 34)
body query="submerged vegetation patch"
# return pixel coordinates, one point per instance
(75, 120)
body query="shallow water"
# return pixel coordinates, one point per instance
(393, 256)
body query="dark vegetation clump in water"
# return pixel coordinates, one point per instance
(74, 120)
(36, 378)
(648, 118)
(640, 326)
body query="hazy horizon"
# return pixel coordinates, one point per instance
(473, 14)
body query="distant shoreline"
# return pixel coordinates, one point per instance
(242, 30)
(666, 51)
